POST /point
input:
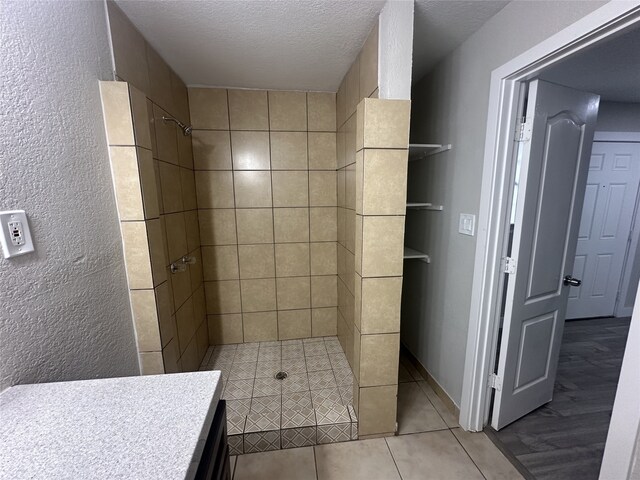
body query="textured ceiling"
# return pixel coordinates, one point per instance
(441, 25)
(290, 44)
(276, 44)
(610, 69)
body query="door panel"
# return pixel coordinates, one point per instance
(610, 198)
(555, 163)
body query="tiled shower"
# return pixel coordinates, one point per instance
(268, 241)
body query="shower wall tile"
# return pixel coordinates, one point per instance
(377, 409)
(324, 322)
(368, 72)
(166, 136)
(140, 116)
(171, 187)
(260, 326)
(288, 111)
(218, 226)
(148, 181)
(294, 293)
(322, 151)
(124, 167)
(323, 258)
(291, 225)
(255, 225)
(151, 363)
(209, 108)
(225, 329)
(289, 151)
(290, 189)
(250, 150)
(223, 297)
(136, 255)
(214, 189)
(321, 111)
(294, 324)
(211, 150)
(145, 320)
(253, 189)
(248, 110)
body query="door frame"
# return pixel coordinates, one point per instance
(497, 176)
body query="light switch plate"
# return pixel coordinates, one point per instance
(467, 225)
(16, 237)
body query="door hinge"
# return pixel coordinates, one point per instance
(509, 265)
(495, 382)
(523, 130)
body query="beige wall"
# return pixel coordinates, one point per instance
(152, 167)
(266, 187)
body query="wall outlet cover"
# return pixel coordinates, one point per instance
(467, 225)
(15, 237)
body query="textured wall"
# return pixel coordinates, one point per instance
(618, 117)
(450, 106)
(64, 311)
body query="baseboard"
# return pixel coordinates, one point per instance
(444, 396)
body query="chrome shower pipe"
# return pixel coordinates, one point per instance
(186, 129)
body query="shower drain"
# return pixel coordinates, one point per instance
(281, 375)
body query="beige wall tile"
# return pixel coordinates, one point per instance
(248, 110)
(152, 128)
(350, 147)
(250, 150)
(375, 94)
(252, 189)
(341, 153)
(322, 111)
(256, 261)
(217, 226)
(358, 252)
(180, 97)
(322, 189)
(116, 111)
(150, 197)
(350, 186)
(199, 305)
(166, 136)
(196, 269)
(151, 363)
(136, 254)
(189, 359)
(341, 104)
(379, 357)
(324, 258)
(208, 108)
(192, 230)
(324, 322)
(290, 189)
(180, 286)
(176, 236)
(292, 259)
(129, 49)
(255, 225)
(220, 262)
(157, 251)
(359, 181)
(324, 291)
(165, 311)
(225, 329)
(322, 151)
(124, 168)
(202, 341)
(384, 182)
(294, 324)
(350, 230)
(223, 297)
(258, 295)
(341, 187)
(260, 327)
(382, 246)
(145, 320)
(214, 189)
(377, 408)
(187, 182)
(289, 151)
(352, 85)
(211, 150)
(291, 224)
(159, 80)
(171, 186)
(357, 294)
(369, 64)
(171, 357)
(386, 123)
(186, 324)
(294, 293)
(323, 224)
(140, 117)
(381, 305)
(288, 111)
(185, 150)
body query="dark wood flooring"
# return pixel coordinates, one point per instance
(565, 438)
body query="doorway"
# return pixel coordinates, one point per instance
(488, 284)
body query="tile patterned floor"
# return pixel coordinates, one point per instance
(311, 406)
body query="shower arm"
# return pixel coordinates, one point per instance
(186, 129)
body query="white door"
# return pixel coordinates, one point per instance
(609, 203)
(551, 189)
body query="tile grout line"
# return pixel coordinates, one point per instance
(468, 454)
(392, 457)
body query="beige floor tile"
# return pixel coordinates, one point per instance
(432, 455)
(290, 464)
(447, 415)
(232, 465)
(365, 459)
(415, 411)
(491, 462)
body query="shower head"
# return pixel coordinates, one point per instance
(186, 129)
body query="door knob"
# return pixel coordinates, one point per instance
(572, 282)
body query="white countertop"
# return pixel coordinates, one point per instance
(148, 427)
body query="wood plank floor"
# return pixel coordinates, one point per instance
(565, 438)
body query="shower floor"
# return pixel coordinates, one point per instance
(312, 405)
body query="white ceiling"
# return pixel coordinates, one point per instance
(290, 44)
(441, 25)
(610, 69)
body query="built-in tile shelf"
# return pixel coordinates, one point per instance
(423, 206)
(411, 254)
(418, 151)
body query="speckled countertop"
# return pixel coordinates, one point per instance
(150, 427)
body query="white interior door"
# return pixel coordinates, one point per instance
(553, 177)
(607, 215)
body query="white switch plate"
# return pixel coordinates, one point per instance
(16, 237)
(467, 225)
